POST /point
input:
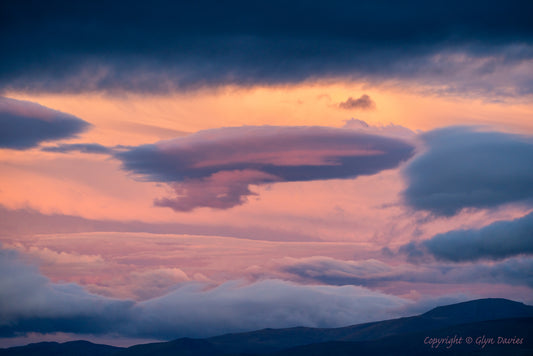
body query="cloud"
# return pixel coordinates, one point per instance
(221, 190)
(13, 223)
(32, 303)
(336, 272)
(268, 303)
(390, 130)
(93, 148)
(214, 168)
(24, 124)
(372, 273)
(363, 103)
(467, 168)
(496, 241)
(481, 48)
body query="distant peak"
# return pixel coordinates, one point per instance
(479, 309)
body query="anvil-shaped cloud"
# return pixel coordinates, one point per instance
(214, 168)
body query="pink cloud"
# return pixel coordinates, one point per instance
(221, 190)
(214, 168)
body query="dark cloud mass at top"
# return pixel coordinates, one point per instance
(24, 124)
(464, 167)
(160, 46)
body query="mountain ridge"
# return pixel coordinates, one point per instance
(470, 316)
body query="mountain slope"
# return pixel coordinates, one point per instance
(403, 336)
(78, 348)
(488, 338)
(270, 340)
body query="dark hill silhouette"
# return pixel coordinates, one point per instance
(412, 344)
(269, 340)
(78, 348)
(403, 336)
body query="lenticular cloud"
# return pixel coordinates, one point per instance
(214, 168)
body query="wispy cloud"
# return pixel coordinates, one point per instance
(93, 148)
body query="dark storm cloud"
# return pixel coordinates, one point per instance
(29, 302)
(467, 168)
(214, 168)
(363, 103)
(24, 124)
(372, 273)
(66, 46)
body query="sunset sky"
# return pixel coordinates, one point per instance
(173, 169)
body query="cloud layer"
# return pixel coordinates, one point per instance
(24, 124)
(130, 46)
(214, 168)
(372, 273)
(32, 303)
(466, 168)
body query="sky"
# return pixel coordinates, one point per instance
(188, 169)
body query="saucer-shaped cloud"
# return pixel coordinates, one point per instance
(214, 168)
(24, 124)
(466, 168)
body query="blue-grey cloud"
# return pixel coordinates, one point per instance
(372, 273)
(30, 302)
(24, 124)
(163, 46)
(467, 168)
(496, 241)
(94, 148)
(214, 168)
(362, 103)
